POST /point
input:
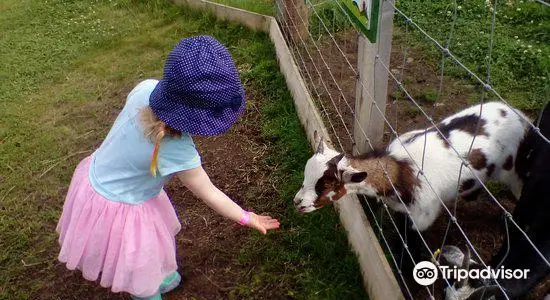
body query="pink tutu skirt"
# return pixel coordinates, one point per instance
(131, 247)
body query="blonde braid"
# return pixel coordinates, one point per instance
(155, 130)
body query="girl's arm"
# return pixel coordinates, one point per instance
(198, 182)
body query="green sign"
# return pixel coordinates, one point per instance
(364, 14)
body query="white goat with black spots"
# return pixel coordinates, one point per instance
(532, 214)
(499, 132)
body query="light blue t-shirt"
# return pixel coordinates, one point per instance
(120, 168)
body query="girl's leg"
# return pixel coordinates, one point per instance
(170, 282)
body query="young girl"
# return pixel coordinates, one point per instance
(117, 220)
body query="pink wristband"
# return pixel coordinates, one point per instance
(245, 218)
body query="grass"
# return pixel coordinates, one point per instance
(520, 60)
(67, 67)
(429, 96)
(329, 14)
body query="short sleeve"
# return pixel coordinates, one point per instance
(148, 84)
(177, 155)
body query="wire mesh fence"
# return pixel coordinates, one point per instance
(427, 81)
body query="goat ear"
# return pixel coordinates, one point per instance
(358, 177)
(353, 176)
(465, 266)
(347, 173)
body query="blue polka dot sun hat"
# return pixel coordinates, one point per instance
(201, 92)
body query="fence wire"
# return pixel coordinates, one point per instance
(543, 2)
(325, 84)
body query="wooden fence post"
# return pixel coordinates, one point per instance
(293, 18)
(372, 87)
(372, 83)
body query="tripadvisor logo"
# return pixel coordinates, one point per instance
(426, 273)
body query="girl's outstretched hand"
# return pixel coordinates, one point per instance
(262, 223)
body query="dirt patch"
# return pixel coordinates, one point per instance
(328, 70)
(209, 243)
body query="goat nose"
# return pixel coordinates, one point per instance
(297, 201)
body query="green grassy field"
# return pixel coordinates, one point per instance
(66, 69)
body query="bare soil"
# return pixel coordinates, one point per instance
(331, 79)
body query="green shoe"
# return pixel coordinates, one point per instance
(170, 282)
(154, 297)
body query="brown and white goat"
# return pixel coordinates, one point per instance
(329, 175)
